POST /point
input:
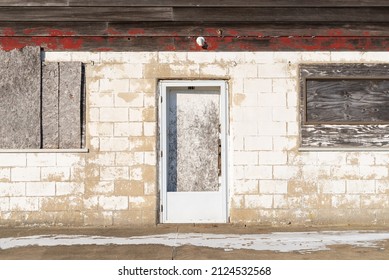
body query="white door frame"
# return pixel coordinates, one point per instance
(164, 85)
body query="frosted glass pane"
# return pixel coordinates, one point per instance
(193, 140)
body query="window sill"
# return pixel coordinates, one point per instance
(3, 151)
(343, 149)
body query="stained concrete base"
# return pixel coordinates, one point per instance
(377, 250)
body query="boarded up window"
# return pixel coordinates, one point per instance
(344, 105)
(41, 106)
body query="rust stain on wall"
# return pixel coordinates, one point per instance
(128, 97)
(239, 98)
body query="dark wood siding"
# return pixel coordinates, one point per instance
(229, 25)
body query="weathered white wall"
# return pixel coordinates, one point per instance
(274, 183)
(271, 181)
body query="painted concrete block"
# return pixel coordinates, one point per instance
(270, 157)
(12, 189)
(41, 159)
(113, 114)
(55, 174)
(25, 174)
(273, 186)
(24, 204)
(40, 189)
(113, 202)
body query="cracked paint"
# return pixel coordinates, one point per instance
(277, 241)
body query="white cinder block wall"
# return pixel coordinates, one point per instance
(271, 182)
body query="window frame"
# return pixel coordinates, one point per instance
(341, 135)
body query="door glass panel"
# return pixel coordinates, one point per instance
(193, 119)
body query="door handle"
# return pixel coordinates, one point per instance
(219, 157)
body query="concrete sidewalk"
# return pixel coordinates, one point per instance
(194, 242)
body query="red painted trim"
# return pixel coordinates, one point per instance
(168, 43)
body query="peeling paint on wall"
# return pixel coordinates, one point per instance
(277, 241)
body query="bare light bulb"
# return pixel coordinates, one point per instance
(201, 42)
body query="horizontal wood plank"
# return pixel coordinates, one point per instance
(246, 29)
(21, 3)
(81, 14)
(344, 70)
(234, 29)
(181, 43)
(198, 3)
(345, 136)
(232, 3)
(196, 14)
(370, 14)
(57, 29)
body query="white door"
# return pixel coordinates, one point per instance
(193, 152)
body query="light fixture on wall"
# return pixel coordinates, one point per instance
(202, 42)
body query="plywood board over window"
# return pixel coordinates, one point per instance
(20, 76)
(41, 105)
(344, 105)
(61, 105)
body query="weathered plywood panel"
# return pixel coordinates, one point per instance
(50, 102)
(20, 79)
(70, 105)
(193, 137)
(347, 101)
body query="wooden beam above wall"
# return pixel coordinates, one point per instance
(199, 3)
(199, 15)
(227, 25)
